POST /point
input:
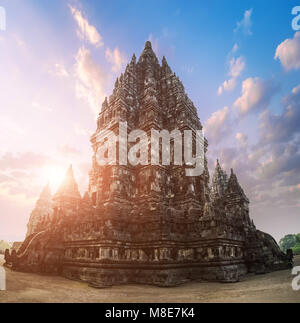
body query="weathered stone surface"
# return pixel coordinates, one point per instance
(43, 209)
(149, 224)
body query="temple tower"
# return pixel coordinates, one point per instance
(67, 196)
(43, 209)
(145, 223)
(219, 182)
(148, 96)
(237, 201)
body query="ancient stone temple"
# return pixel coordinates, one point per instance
(147, 223)
(42, 210)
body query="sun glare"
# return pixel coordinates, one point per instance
(54, 175)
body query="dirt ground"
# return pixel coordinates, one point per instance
(273, 287)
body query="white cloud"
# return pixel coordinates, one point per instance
(59, 70)
(7, 125)
(188, 69)
(256, 95)
(11, 132)
(242, 139)
(227, 86)
(296, 90)
(155, 43)
(86, 31)
(235, 48)
(288, 52)
(284, 127)
(20, 42)
(116, 58)
(79, 130)
(268, 170)
(236, 68)
(22, 161)
(90, 80)
(245, 24)
(218, 125)
(271, 165)
(40, 107)
(68, 151)
(161, 44)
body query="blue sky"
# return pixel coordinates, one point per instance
(60, 58)
(196, 36)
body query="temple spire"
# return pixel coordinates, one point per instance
(234, 187)
(219, 181)
(46, 192)
(69, 186)
(165, 66)
(86, 200)
(43, 209)
(133, 59)
(105, 103)
(67, 197)
(148, 54)
(148, 45)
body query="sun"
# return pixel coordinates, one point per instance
(54, 175)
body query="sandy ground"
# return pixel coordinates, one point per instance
(273, 287)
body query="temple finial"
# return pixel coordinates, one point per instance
(105, 103)
(219, 182)
(133, 59)
(234, 185)
(148, 55)
(148, 45)
(166, 66)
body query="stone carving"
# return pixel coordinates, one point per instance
(43, 208)
(149, 224)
